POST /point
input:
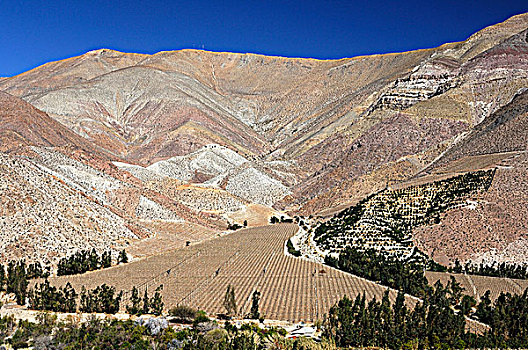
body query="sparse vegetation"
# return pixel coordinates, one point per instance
(385, 220)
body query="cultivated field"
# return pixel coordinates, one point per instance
(476, 286)
(291, 288)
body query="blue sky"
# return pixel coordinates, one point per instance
(35, 32)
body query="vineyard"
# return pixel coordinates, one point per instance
(292, 289)
(476, 286)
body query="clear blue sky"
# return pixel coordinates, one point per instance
(35, 32)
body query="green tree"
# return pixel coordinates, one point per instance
(93, 262)
(106, 259)
(146, 302)
(254, 313)
(123, 258)
(2, 277)
(135, 303)
(17, 282)
(183, 313)
(230, 301)
(156, 302)
(70, 298)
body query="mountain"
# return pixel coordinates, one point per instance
(23, 125)
(60, 192)
(200, 137)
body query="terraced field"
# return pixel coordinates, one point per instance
(292, 289)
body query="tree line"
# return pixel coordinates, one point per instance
(153, 305)
(504, 269)
(407, 277)
(14, 280)
(437, 322)
(85, 260)
(276, 220)
(102, 299)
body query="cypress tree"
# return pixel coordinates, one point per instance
(146, 304)
(70, 298)
(230, 301)
(255, 298)
(2, 277)
(135, 303)
(106, 259)
(123, 258)
(156, 302)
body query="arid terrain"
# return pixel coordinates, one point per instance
(161, 154)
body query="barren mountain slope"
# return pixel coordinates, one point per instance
(498, 222)
(59, 193)
(42, 218)
(68, 72)
(21, 125)
(345, 127)
(475, 89)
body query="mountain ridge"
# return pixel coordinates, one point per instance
(315, 135)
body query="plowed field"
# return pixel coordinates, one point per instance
(292, 289)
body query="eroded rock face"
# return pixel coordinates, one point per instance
(428, 80)
(496, 226)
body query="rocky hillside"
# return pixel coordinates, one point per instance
(60, 192)
(200, 137)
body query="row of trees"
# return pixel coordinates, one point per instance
(438, 322)
(100, 299)
(508, 318)
(276, 220)
(86, 260)
(153, 305)
(389, 271)
(235, 226)
(15, 280)
(50, 298)
(64, 299)
(231, 306)
(36, 270)
(431, 324)
(508, 270)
